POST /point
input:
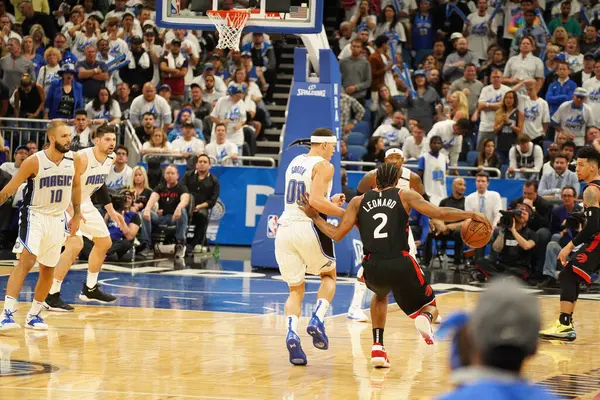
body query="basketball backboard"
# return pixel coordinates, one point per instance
(268, 16)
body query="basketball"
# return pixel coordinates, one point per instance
(475, 234)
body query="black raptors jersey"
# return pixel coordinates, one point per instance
(383, 224)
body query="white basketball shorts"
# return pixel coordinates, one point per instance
(300, 248)
(94, 225)
(42, 235)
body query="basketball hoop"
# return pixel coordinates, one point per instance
(229, 24)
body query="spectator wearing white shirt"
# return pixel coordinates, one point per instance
(220, 147)
(574, 117)
(21, 153)
(154, 51)
(417, 144)
(231, 111)
(148, 101)
(363, 36)
(6, 31)
(158, 144)
(80, 40)
(209, 70)
(536, 112)
(489, 102)
(480, 30)
(49, 72)
(524, 155)
(188, 144)
(592, 86)
(211, 94)
(121, 174)
(81, 136)
(393, 134)
(524, 65)
(432, 170)
(485, 201)
(190, 49)
(104, 107)
(451, 133)
(552, 183)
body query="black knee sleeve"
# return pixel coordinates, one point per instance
(569, 285)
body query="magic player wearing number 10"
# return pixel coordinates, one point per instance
(300, 248)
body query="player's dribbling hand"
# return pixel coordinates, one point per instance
(304, 205)
(339, 199)
(479, 217)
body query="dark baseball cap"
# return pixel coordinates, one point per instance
(589, 56)
(137, 40)
(176, 42)
(21, 147)
(164, 87)
(187, 124)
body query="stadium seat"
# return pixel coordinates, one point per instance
(471, 157)
(358, 151)
(357, 139)
(368, 115)
(363, 127)
(503, 170)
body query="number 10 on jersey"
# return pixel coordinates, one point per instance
(56, 196)
(295, 190)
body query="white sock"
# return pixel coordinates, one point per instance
(321, 310)
(36, 307)
(92, 279)
(292, 323)
(10, 303)
(359, 294)
(56, 284)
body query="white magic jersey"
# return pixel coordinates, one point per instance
(95, 174)
(49, 192)
(298, 180)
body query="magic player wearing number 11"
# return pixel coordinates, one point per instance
(300, 248)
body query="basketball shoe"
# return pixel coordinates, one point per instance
(423, 325)
(297, 356)
(379, 358)
(35, 322)
(356, 314)
(316, 329)
(95, 294)
(55, 303)
(8, 322)
(559, 332)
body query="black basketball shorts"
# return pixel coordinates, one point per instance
(585, 260)
(404, 278)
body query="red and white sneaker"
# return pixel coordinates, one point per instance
(379, 358)
(423, 325)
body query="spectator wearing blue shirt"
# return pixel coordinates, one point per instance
(494, 346)
(422, 27)
(552, 183)
(64, 95)
(568, 194)
(561, 90)
(123, 236)
(92, 74)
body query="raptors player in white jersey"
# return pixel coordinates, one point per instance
(300, 248)
(96, 163)
(53, 182)
(407, 180)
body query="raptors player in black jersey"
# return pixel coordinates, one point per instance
(581, 256)
(382, 218)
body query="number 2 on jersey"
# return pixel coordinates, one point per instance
(56, 196)
(377, 234)
(294, 192)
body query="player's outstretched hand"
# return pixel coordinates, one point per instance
(339, 199)
(304, 205)
(479, 217)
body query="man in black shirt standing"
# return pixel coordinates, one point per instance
(382, 217)
(205, 188)
(451, 231)
(173, 198)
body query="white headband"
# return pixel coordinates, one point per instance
(323, 139)
(394, 151)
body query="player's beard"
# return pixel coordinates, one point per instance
(61, 148)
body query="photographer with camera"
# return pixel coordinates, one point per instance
(514, 243)
(539, 222)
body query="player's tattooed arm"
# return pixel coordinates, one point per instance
(29, 168)
(367, 182)
(336, 233)
(414, 200)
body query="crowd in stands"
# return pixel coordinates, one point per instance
(510, 89)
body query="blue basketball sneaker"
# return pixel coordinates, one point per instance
(36, 322)
(8, 322)
(316, 329)
(297, 356)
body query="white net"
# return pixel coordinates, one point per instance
(229, 24)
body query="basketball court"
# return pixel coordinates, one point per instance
(215, 330)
